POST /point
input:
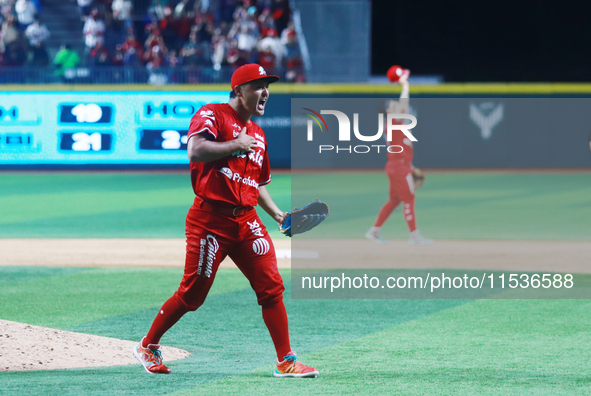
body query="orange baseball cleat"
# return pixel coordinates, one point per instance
(150, 358)
(291, 367)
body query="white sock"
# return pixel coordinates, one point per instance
(375, 229)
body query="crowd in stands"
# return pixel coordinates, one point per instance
(162, 37)
(22, 36)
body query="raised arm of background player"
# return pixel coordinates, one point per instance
(399, 106)
(200, 149)
(404, 98)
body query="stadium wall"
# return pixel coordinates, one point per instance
(143, 126)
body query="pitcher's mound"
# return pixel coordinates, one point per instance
(27, 347)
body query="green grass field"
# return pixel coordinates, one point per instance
(375, 347)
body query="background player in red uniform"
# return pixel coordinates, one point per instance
(399, 170)
(229, 171)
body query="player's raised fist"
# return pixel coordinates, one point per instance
(404, 77)
(246, 143)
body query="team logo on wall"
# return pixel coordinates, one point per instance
(260, 246)
(486, 116)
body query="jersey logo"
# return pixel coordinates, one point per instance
(238, 178)
(262, 71)
(226, 172)
(209, 247)
(260, 246)
(255, 227)
(256, 157)
(207, 114)
(236, 133)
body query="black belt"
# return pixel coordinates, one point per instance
(231, 211)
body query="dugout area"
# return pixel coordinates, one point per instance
(503, 346)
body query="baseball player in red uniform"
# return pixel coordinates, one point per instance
(229, 172)
(399, 170)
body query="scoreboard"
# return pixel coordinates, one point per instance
(98, 128)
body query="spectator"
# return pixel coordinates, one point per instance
(235, 56)
(5, 10)
(184, 24)
(288, 32)
(274, 44)
(97, 52)
(154, 43)
(118, 59)
(291, 46)
(115, 32)
(122, 11)
(85, 8)
(181, 8)
(157, 70)
(39, 56)
(25, 10)
(94, 31)
(158, 7)
(267, 59)
(65, 59)
(281, 14)
(167, 28)
(15, 53)
(103, 60)
(173, 60)
(37, 33)
(189, 51)
(245, 32)
(294, 64)
(150, 21)
(266, 22)
(245, 40)
(10, 32)
(220, 45)
(131, 58)
(205, 30)
(131, 42)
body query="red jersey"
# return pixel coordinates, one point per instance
(400, 139)
(235, 179)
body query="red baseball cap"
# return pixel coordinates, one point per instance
(395, 72)
(250, 72)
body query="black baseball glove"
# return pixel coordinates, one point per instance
(304, 219)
